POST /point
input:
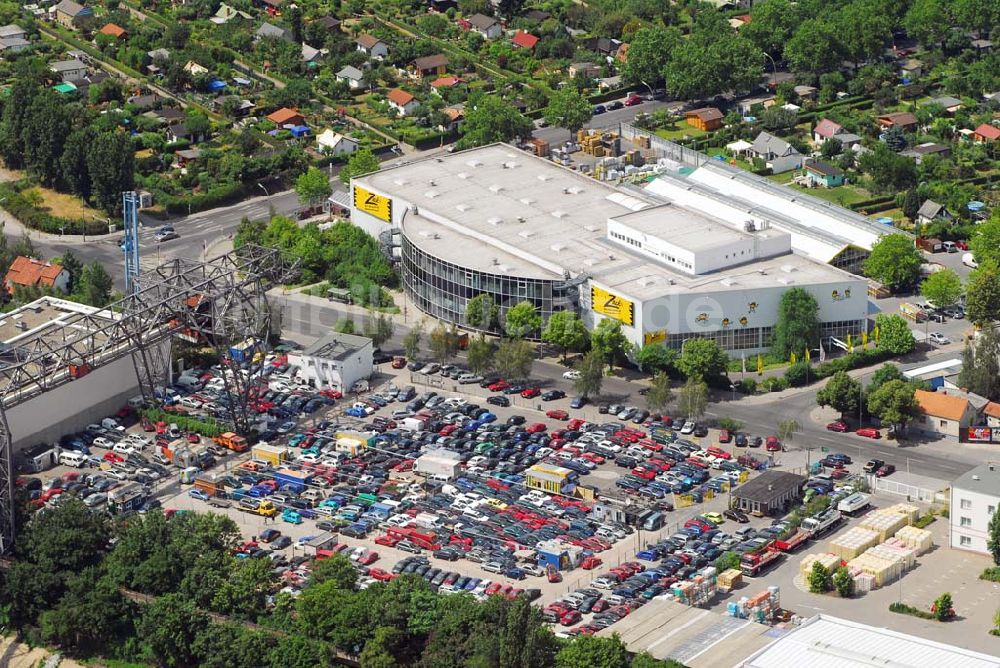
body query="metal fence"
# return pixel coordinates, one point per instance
(664, 147)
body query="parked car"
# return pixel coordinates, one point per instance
(884, 470)
(837, 425)
(869, 432)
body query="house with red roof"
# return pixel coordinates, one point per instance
(402, 102)
(446, 82)
(113, 30)
(27, 272)
(286, 116)
(524, 40)
(986, 133)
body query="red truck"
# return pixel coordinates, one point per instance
(793, 542)
(756, 563)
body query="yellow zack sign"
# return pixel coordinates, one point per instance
(611, 305)
(372, 204)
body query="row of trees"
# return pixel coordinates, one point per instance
(66, 587)
(890, 396)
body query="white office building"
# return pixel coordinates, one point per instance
(974, 498)
(335, 361)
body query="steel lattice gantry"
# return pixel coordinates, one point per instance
(215, 302)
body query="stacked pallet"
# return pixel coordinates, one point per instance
(885, 522)
(919, 539)
(829, 561)
(853, 542)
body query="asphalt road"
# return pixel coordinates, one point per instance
(607, 120)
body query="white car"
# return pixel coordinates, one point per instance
(571, 375)
(103, 442)
(308, 457)
(190, 402)
(969, 260)
(688, 427)
(938, 338)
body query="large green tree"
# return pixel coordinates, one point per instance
(894, 403)
(654, 357)
(649, 52)
(479, 354)
(894, 333)
(993, 537)
(659, 395)
(569, 109)
(378, 327)
(981, 365)
(815, 48)
(982, 294)
(591, 368)
(443, 343)
(592, 652)
(608, 340)
(701, 68)
(886, 170)
(927, 20)
(692, 398)
(522, 320)
(481, 312)
(565, 330)
(774, 23)
(842, 393)
(985, 241)
(513, 358)
(111, 167)
(942, 288)
(702, 359)
(362, 161)
(797, 326)
(894, 261)
(492, 119)
(864, 28)
(312, 186)
(95, 285)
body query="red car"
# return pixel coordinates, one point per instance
(368, 558)
(553, 574)
(600, 606)
(557, 415)
(570, 618)
(387, 540)
(380, 575)
(113, 457)
(575, 424)
(884, 470)
(838, 425)
(633, 100)
(147, 425)
(962, 245)
(772, 444)
(531, 392)
(725, 436)
(535, 428)
(718, 452)
(493, 588)
(838, 473)
(498, 386)
(590, 563)
(869, 432)
(398, 362)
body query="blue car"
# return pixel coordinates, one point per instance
(599, 109)
(198, 494)
(578, 402)
(355, 412)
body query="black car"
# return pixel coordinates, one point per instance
(617, 104)
(552, 395)
(381, 357)
(498, 400)
(446, 553)
(281, 542)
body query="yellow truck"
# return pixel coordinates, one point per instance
(274, 455)
(261, 507)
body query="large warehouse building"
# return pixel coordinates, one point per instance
(670, 263)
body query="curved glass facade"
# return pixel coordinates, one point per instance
(442, 289)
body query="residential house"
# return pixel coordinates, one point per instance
(921, 151)
(27, 272)
(185, 157)
(805, 92)
(168, 115)
(69, 70)
(333, 143)
(434, 65)
(372, 46)
(352, 76)
(704, 118)
(194, 69)
(13, 45)
(146, 102)
(611, 83)
(524, 40)
(586, 69)
(445, 82)
(12, 30)
(68, 13)
(992, 414)
(746, 106)
(911, 68)
(329, 24)
(950, 104)
(826, 129)
(404, 103)
(975, 497)
(777, 154)
(310, 55)
(930, 211)
(823, 175)
(898, 119)
(286, 116)
(986, 133)
(225, 14)
(243, 107)
(948, 412)
(160, 55)
(271, 31)
(983, 46)
(180, 132)
(602, 45)
(114, 31)
(487, 26)
(455, 115)
(536, 15)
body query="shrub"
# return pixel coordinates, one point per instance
(797, 374)
(747, 386)
(991, 574)
(904, 609)
(924, 520)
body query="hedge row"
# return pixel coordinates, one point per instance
(19, 207)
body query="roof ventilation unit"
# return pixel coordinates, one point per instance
(558, 248)
(784, 280)
(431, 183)
(431, 194)
(496, 188)
(558, 214)
(646, 281)
(474, 163)
(574, 190)
(463, 207)
(527, 234)
(400, 182)
(521, 219)
(463, 175)
(495, 220)
(787, 268)
(728, 281)
(544, 177)
(527, 201)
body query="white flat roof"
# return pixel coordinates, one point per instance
(830, 642)
(500, 210)
(687, 229)
(946, 365)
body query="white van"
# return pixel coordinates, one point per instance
(190, 383)
(136, 402)
(74, 459)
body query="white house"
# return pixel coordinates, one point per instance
(70, 70)
(354, 77)
(402, 102)
(335, 361)
(372, 46)
(487, 26)
(334, 143)
(779, 155)
(975, 496)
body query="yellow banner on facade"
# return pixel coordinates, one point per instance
(611, 305)
(372, 204)
(659, 336)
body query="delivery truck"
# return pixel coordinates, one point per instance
(793, 542)
(261, 507)
(854, 503)
(232, 441)
(274, 455)
(822, 523)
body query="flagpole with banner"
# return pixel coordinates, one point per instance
(822, 352)
(743, 359)
(760, 365)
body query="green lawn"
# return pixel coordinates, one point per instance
(844, 195)
(742, 164)
(683, 130)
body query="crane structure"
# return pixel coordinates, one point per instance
(130, 215)
(215, 302)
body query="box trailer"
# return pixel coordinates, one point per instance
(413, 424)
(272, 454)
(854, 503)
(295, 481)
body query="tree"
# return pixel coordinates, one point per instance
(660, 394)
(985, 241)
(95, 285)
(481, 312)
(993, 537)
(71, 263)
(196, 121)
(843, 582)
(894, 334)
(514, 358)
(982, 294)
(894, 403)
(479, 354)
(411, 342)
(362, 161)
(654, 357)
(443, 343)
(944, 607)
(565, 330)
(491, 119)
(345, 326)
(911, 201)
(864, 27)
(168, 628)
(379, 328)
(244, 593)
(883, 375)
(337, 569)
(842, 393)
(774, 23)
(522, 320)
(727, 561)
(591, 369)
(831, 148)
(927, 21)
(787, 429)
(648, 54)
(887, 171)
(894, 261)
(942, 288)
(592, 652)
(981, 365)
(702, 359)
(381, 650)
(692, 399)
(702, 68)
(568, 109)
(819, 579)
(110, 165)
(894, 139)
(797, 326)
(814, 48)
(312, 186)
(609, 340)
